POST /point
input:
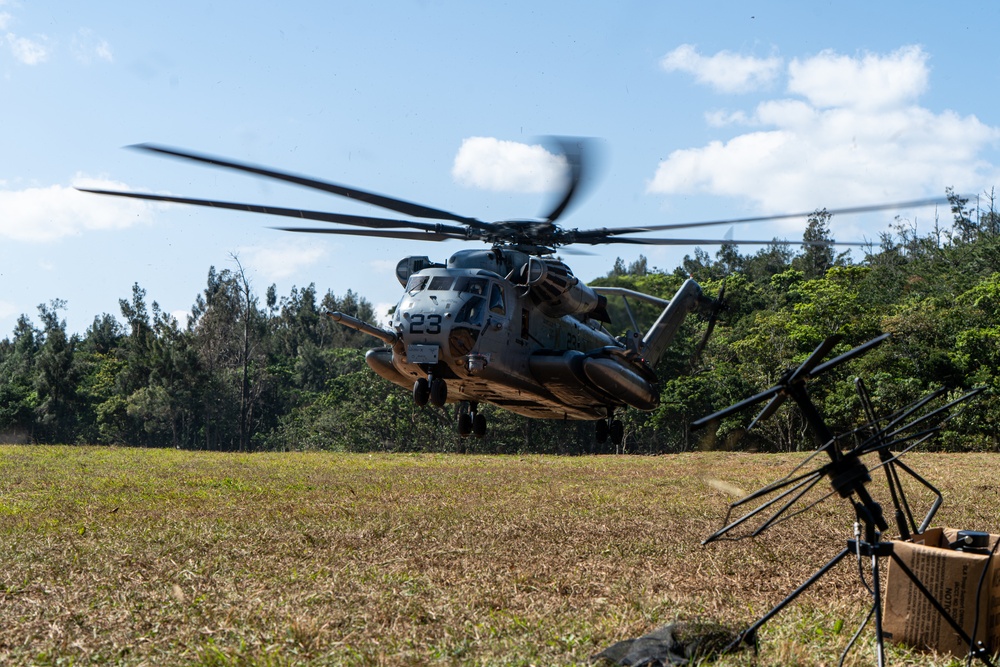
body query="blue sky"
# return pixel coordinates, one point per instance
(703, 111)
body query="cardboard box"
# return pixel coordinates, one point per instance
(953, 578)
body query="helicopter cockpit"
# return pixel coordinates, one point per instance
(473, 295)
(443, 283)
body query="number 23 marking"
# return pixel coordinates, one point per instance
(433, 324)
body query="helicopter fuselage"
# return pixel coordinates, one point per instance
(489, 339)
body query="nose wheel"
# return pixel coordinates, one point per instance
(421, 391)
(471, 422)
(430, 389)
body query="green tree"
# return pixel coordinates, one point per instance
(817, 255)
(18, 395)
(55, 377)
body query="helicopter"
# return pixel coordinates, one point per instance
(509, 324)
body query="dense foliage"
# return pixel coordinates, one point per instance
(245, 375)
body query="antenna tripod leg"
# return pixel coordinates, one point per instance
(750, 634)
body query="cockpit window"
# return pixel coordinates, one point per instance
(471, 285)
(472, 311)
(440, 283)
(496, 301)
(415, 284)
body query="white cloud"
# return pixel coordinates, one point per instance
(182, 317)
(726, 72)
(4, 20)
(86, 46)
(720, 118)
(858, 137)
(280, 260)
(870, 82)
(28, 51)
(382, 316)
(43, 214)
(492, 164)
(384, 265)
(103, 51)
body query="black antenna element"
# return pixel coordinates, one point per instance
(890, 438)
(847, 473)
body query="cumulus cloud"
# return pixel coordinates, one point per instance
(384, 265)
(856, 135)
(726, 72)
(86, 47)
(42, 214)
(871, 81)
(28, 51)
(382, 316)
(280, 260)
(182, 317)
(492, 164)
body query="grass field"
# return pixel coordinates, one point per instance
(135, 557)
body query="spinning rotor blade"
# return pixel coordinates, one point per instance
(914, 203)
(380, 233)
(382, 201)
(637, 241)
(573, 149)
(321, 216)
(532, 235)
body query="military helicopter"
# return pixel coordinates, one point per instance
(509, 324)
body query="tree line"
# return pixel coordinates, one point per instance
(246, 374)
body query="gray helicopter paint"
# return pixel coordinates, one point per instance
(526, 361)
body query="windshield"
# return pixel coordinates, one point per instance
(415, 284)
(470, 285)
(440, 283)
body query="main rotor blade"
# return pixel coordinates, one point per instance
(321, 216)
(914, 203)
(379, 233)
(573, 149)
(382, 201)
(637, 241)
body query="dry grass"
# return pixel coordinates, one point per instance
(134, 557)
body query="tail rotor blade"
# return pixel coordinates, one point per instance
(576, 151)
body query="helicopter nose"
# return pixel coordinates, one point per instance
(451, 336)
(419, 326)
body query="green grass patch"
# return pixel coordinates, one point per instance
(133, 557)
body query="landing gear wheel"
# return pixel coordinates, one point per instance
(421, 391)
(438, 392)
(464, 424)
(601, 431)
(479, 425)
(617, 432)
